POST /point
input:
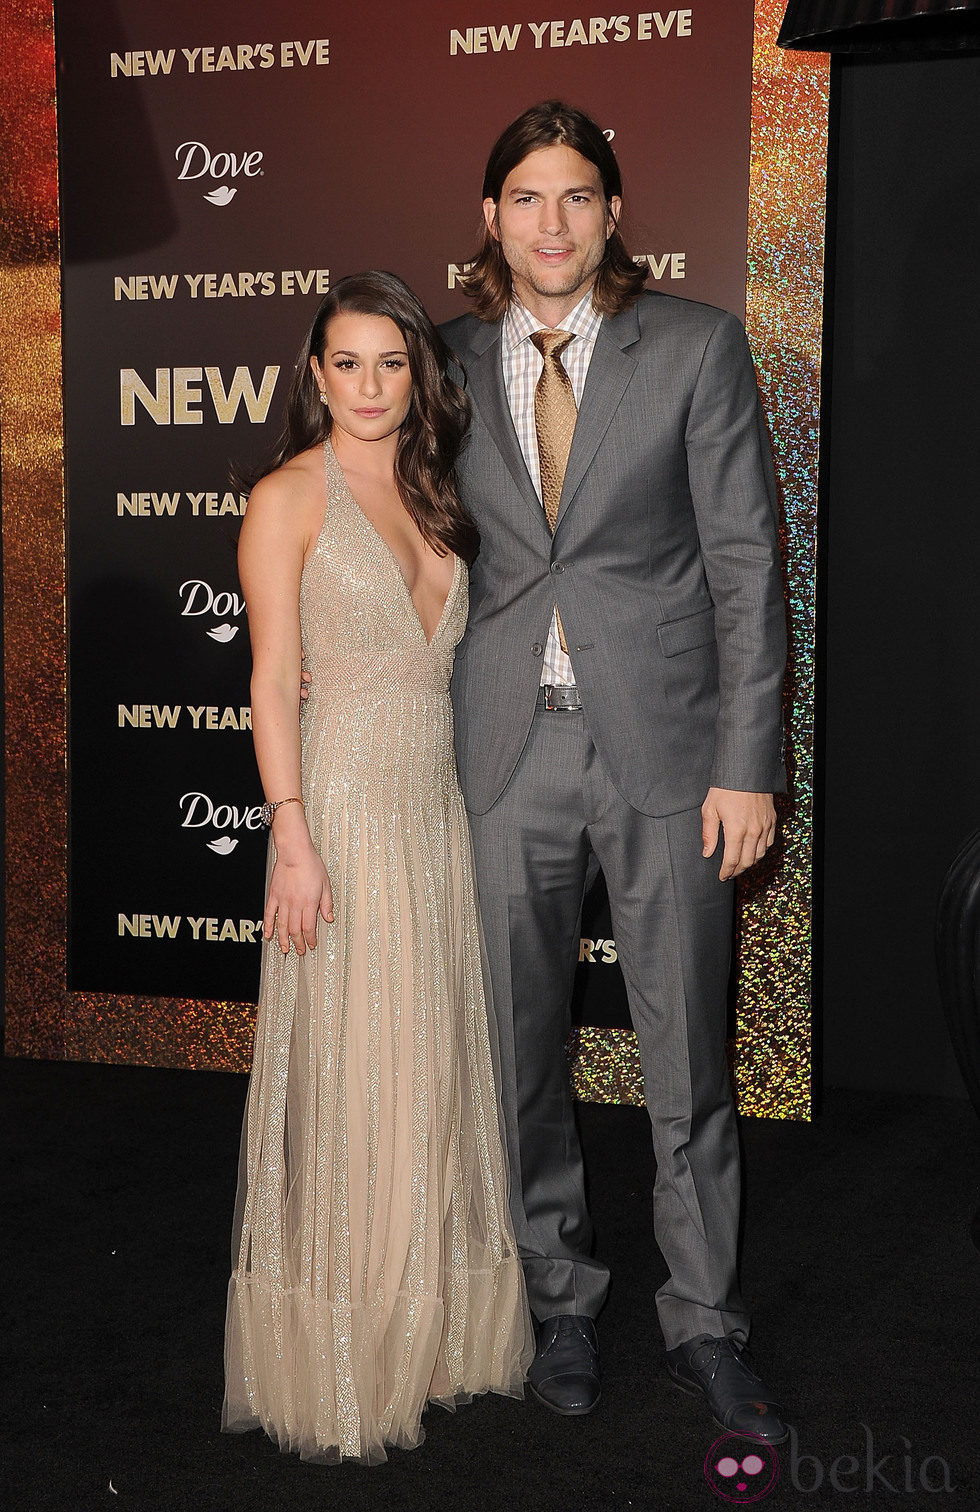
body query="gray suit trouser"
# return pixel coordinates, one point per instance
(672, 923)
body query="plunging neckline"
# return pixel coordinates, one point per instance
(389, 553)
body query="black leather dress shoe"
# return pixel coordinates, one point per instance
(719, 1370)
(564, 1373)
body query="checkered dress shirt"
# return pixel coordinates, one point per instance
(522, 369)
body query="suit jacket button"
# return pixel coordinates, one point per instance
(558, 566)
(536, 649)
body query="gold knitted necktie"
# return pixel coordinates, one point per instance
(555, 413)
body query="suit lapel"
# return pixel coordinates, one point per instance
(610, 370)
(485, 385)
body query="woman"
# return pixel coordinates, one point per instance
(375, 1266)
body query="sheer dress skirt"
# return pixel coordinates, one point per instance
(374, 1265)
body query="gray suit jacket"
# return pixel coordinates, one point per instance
(664, 564)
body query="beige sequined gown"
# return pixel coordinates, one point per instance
(375, 1266)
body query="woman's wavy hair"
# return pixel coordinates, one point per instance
(550, 123)
(433, 430)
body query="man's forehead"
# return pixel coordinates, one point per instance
(548, 164)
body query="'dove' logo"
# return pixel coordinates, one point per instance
(199, 812)
(198, 162)
(741, 1469)
(198, 598)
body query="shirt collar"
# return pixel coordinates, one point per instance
(519, 323)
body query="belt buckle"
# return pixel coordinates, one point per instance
(557, 708)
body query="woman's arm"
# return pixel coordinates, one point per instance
(276, 534)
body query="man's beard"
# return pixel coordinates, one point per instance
(575, 279)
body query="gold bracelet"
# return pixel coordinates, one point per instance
(268, 809)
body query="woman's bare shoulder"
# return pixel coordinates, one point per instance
(294, 492)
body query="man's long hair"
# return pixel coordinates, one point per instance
(432, 433)
(551, 123)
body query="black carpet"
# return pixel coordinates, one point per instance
(118, 1190)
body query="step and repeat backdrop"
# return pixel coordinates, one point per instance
(220, 166)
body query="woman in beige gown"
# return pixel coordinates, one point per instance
(375, 1268)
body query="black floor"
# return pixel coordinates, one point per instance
(858, 1260)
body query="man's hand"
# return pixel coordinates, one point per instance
(749, 823)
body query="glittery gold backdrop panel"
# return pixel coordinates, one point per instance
(34, 606)
(33, 537)
(771, 1052)
(784, 317)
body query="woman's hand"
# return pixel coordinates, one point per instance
(299, 893)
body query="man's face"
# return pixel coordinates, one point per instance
(552, 223)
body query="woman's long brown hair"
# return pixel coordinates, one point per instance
(432, 433)
(488, 281)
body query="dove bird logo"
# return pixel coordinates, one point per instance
(200, 812)
(197, 161)
(198, 598)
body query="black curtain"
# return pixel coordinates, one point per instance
(899, 716)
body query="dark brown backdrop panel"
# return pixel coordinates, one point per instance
(220, 165)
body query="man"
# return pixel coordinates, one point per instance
(617, 696)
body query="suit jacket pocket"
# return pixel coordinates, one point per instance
(688, 633)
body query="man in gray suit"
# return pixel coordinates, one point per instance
(617, 697)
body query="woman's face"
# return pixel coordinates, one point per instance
(365, 375)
